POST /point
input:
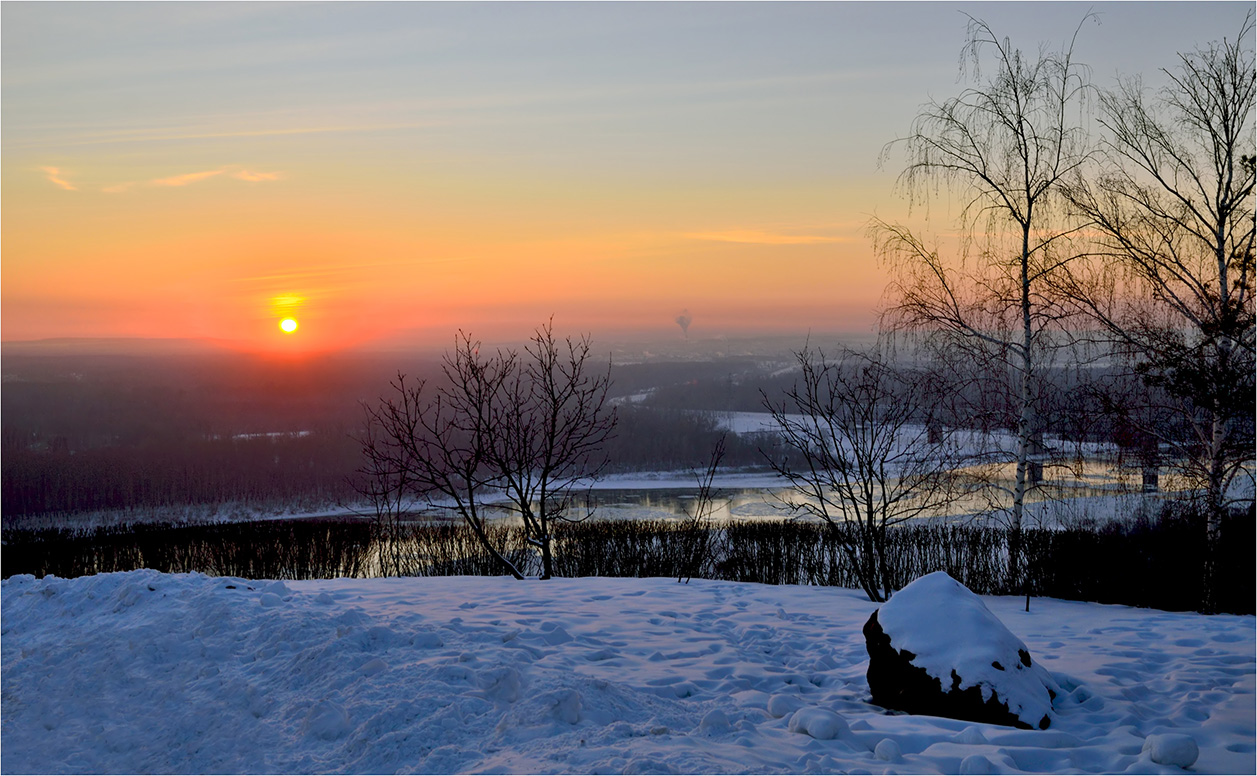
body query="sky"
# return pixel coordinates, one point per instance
(394, 172)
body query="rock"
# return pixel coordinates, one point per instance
(1172, 749)
(936, 649)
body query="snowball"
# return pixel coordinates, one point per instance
(976, 764)
(328, 721)
(888, 750)
(278, 588)
(714, 722)
(781, 705)
(1172, 749)
(568, 707)
(426, 640)
(818, 723)
(502, 684)
(269, 600)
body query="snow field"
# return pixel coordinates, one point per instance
(145, 672)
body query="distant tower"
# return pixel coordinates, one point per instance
(683, 320)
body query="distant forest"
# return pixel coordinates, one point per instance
(89, 433)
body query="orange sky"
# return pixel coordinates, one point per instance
(399, 171)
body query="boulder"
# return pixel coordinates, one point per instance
(936, 649)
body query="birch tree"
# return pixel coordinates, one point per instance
(1005, 146)
(1170, 278)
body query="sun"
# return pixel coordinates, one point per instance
(288, 325)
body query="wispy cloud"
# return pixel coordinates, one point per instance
(254, 177)
(54, 177)
(186, 178)
(756, 237)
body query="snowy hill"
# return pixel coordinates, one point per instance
(145, 672)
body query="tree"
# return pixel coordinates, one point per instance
(433, 442)
(546, 433)
(695, 534)
(1007, 146)
(526, 428)
(866, 457)
(1170, 278)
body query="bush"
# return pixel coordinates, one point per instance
(1141, 562)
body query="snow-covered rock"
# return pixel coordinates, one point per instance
(936, 649)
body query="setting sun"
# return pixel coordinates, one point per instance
(288, 325)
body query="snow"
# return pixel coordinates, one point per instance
(949, 629)
(147, 672)
(1172, 749)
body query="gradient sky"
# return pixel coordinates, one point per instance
(399, 170)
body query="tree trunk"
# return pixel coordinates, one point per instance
(547, 560)
(1213, 517)
(478, 529)
(1024, 420)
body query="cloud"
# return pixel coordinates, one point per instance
(233, 171)
(756, 237)
(185, 179)
(54, 176)
(254, 177)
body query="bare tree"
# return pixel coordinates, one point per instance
(433, 443)
(1006, 145)
(1170, 280)
(866, 455)
(696, 529)
(385, 481)
(546, 433)
(525, 428)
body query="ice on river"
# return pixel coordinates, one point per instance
(147, 672)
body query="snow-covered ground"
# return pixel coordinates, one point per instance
(145, 672)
